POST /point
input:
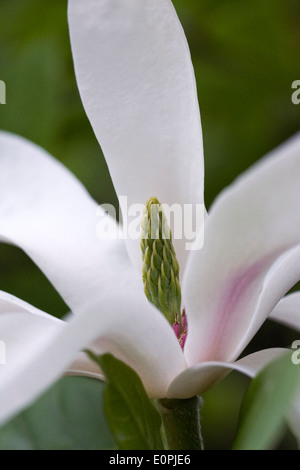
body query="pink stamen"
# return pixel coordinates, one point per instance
(182, 339)
(176, 328)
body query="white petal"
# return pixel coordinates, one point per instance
(137, 85)
(20, 325)
(45, 211)
(200, 378)
(23, 330)
(128, 327)
(250, 257)
(134, 331)
(287, 311)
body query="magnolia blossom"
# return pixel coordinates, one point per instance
(137, 86)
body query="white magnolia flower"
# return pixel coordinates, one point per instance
(138, 88)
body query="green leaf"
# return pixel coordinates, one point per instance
(69, 416)
(133, 419)
(265, 404)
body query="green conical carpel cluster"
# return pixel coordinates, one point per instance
(160, 266)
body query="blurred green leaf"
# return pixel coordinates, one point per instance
(265, 404)
(68, 417)
(134, 421)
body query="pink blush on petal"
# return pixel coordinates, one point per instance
(237, 292)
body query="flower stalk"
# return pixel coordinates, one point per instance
(181, 423)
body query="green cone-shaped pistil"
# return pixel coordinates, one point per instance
(160, 266)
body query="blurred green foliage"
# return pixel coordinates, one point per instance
(52, 424)
(246, 56)
(265, 405)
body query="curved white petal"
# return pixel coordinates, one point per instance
(250, 259)
(10, 303)
(45, 211)
(20, 325)
(23, 329)
(85, 367)
(128, 327)
(287, 311)
(137, 85)
(134, 331)
(199, 378)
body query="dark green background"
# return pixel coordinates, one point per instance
(246, 56)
